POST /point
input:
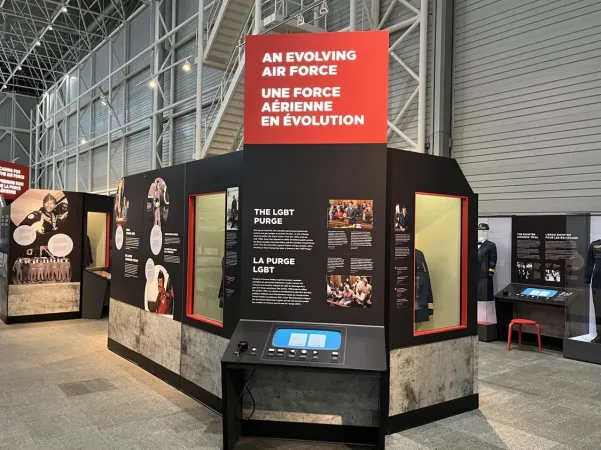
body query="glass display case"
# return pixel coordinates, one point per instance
(438, 253)
(583, 305)
(494, 260)
(206, 302)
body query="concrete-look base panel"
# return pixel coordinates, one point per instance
(319, 398)
(201, 354)
(429, 374)
(160, 340)
(124, 324)
(39, 299)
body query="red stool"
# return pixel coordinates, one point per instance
(519, 323)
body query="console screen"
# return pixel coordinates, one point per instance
(307, 339)
(539, 292)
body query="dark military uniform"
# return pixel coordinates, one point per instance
(592, 276)
(487, 262)
(403, 221)
(424, 299)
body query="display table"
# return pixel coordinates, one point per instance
(547, 309)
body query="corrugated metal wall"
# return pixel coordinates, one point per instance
(131, 100)
(527, 104)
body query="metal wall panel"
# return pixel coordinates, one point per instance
(139, 39)
(116, 157)
(101, 66)
(184, 138)
(99, 158)
(70, 180)
(137, 153)
(527, 104)
(101, 123)
(139, 99)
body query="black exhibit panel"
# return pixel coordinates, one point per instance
(432, 245)
(314, 234)
(213, 253)
(548, 259)
(148, 241)
(46, 237)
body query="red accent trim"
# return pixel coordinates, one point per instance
(107, 251)
(464, 259)
(464, 267)
(190, 262)
(439, 330)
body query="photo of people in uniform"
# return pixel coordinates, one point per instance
(44, 211)
(351, 214)
(160, 293)
(121, 203)
(157, 204)
(233, 207)
(349, 291)
(401, 218)
(27, 270)
(525, 271)
(552, 273)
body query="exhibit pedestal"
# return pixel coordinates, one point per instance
(488, 332)
(582, 350)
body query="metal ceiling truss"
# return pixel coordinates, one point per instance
(41, 40)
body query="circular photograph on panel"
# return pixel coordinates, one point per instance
(24, 235)
(157, 204)
(60, 245)
(159, 293)
(156, 240)
(119, 237)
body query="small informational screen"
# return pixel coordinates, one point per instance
(538, 292)
(308, 339)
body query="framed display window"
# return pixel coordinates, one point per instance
(440, 261)
(207, 225)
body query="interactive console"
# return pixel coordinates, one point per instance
(301, 344)
(533, 294)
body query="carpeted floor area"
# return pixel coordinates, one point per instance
(60, 388)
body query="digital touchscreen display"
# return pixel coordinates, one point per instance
(307, 339)
(539, 292)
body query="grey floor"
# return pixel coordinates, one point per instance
(60, 388)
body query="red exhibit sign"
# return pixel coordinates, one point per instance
(324, 88)
(14, 179)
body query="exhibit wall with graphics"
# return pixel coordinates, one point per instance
(43, 249)
(175, 275)
(432, 316)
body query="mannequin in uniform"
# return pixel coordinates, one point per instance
(487, 262)
(424, 299)
(592, 276)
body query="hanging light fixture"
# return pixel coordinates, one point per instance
(300, 20)
(64, 9)
(187, 67)
(50, 28)
(38, 43)
(19, 68)
(323, 9)
(83, 141)
(152, 83)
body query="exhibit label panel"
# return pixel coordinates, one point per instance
(549, 250)
(315, 178)
(14, 179)
(147, 251)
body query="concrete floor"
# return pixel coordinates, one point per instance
(60, 388)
